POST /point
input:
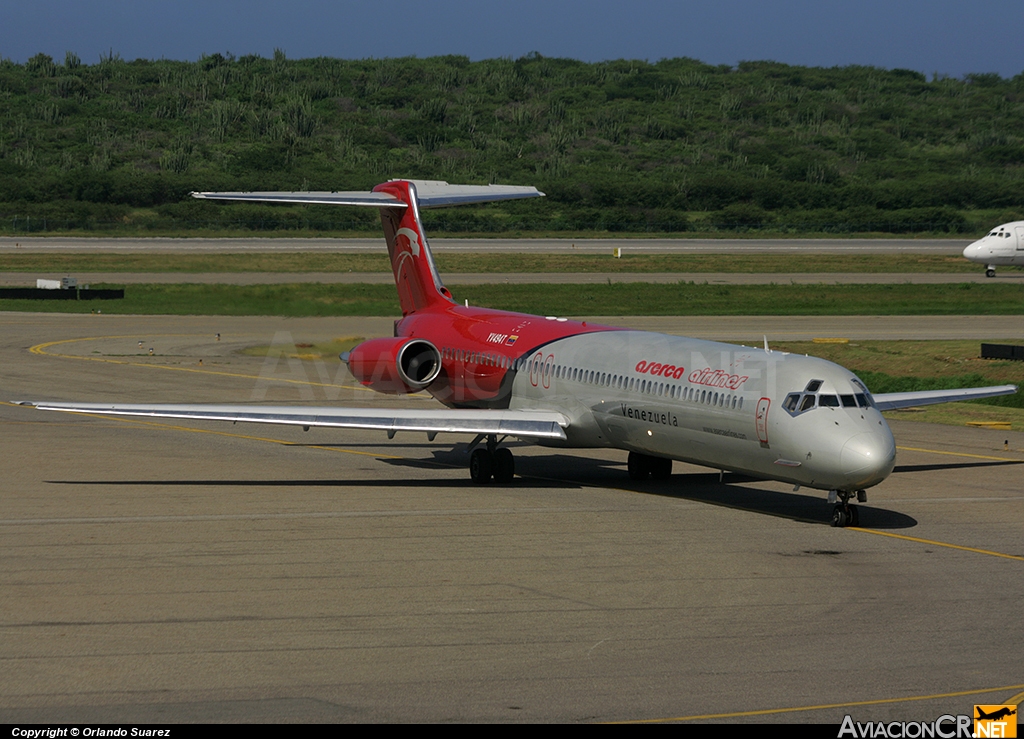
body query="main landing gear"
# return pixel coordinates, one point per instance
(642, 466)
(845, 514)
(490, 462)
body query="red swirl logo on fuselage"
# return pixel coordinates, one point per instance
(717, 378)
(659, 370)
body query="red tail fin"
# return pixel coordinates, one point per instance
(416, 278)
(419, 287)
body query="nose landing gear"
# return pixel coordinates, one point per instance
(844, 514)
(990, 271)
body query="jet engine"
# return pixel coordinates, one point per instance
(395, 365)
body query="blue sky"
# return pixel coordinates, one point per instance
(950, 37)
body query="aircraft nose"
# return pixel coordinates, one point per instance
(972, 250)
(868, 458)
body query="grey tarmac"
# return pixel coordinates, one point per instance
(168, 571)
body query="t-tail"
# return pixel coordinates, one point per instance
(416, 279)
(400, 201)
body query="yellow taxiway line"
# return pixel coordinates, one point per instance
(270, 440)
(822, 707)
(975, 550)
(41, 349)
(1016, 699)
(956, 454)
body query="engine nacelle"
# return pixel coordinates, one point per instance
(395, 365)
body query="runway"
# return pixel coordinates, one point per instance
(169, 571)
(12, 244)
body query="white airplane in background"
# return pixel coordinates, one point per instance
(1001, 247)
(573, 384)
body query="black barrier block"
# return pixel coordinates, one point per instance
(101, 294)
(1002, 351)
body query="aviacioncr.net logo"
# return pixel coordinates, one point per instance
(946, 726)
(995, 722)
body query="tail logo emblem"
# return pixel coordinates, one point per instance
(412, 237)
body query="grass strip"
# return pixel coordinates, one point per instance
(956, 361)
(623, 299)
(902, 366)
(489, 263)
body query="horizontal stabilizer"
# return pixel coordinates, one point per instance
(525, 424)
(430, 194)
(892, 401)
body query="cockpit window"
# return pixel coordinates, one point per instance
(808, 400)
(864, 398)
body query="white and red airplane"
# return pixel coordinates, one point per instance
(573, 384)
(1002, 246)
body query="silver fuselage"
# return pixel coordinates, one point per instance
(713, 404)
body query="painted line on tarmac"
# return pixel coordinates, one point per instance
(40, 349)
(283, 442)
(918, 540)
(801, 519)
(932, 542)
(956, 454)
(823, 707)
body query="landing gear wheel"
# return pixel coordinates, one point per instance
(481, 466)
(504, 465)
(638, 467)
(853, 516)
(990, 272)
(839, 517)
(661, 468)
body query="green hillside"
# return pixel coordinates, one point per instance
(622, 146)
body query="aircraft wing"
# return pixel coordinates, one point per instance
(429, 194)
(521, 423)
(892, 401)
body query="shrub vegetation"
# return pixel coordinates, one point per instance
(618, 146)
